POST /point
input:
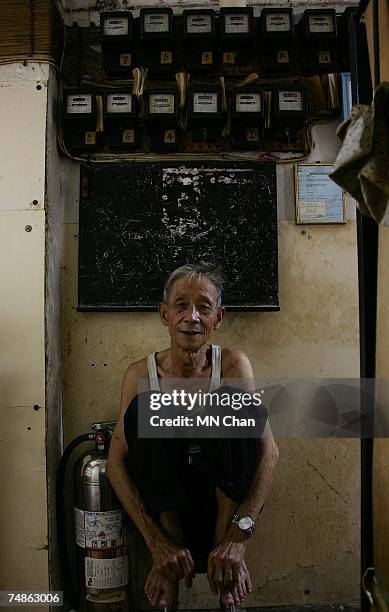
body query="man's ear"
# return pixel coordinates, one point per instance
(162, 309)
(219, 319)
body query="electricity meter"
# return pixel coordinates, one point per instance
(319, 38)
(237, 36)
(289, 111)
(276, 39)
(199, 39)
(157, 39)
(205, 115)
(117, 43)
(247, 117)
(120, 114)
(162, 118)
(80, 120)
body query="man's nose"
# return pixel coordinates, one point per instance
(191, 313)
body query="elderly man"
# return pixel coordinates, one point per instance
(148, 475)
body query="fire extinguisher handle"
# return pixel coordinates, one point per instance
(103, 425)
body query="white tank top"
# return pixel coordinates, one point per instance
(215, 376)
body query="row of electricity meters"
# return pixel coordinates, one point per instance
(118, 115)
(203, 40)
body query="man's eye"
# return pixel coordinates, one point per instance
(205, 307)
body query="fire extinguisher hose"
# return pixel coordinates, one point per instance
(61, 522)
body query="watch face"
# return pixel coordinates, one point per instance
(245, 523)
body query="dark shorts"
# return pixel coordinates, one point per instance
(161, 470)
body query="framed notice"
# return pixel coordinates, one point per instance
(318, 198)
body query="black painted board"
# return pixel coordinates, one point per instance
(140, 221)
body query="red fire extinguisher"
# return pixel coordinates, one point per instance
(102, 560)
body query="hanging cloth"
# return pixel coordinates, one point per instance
(362, 165)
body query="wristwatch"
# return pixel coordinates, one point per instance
(245, 524)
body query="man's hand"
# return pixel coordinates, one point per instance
(172, 561)
(224, 563)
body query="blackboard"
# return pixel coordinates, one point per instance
(139, 221)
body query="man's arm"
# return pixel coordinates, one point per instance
(167, 557)
(225, 560)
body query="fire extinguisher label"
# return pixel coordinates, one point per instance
(99, 530)
(106, 573)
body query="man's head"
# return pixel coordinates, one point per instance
(191, 306)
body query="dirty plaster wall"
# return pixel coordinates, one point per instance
(306, 545)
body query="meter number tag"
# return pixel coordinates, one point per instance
(166, 57)
(90, 138)
(125, 59)
(228, 57)
(128, 136)
(169, 136)
(252, 135)
(207, 58)
(324, 57)
(283, 56)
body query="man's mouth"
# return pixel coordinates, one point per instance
(190, 333)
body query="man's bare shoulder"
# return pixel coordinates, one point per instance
(236, 364)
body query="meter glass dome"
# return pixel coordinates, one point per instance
(290, 100)
(115, 26)
(155, 22)
(278, 22)
(119, 103)
(161, 104)
(205, 102)
(79, 104)
(199, 24)
(321, 23)
(236, 23)
(248, 103)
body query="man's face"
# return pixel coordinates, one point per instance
(192, 312)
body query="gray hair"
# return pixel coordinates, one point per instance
(202, 269)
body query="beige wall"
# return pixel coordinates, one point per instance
(23, 511)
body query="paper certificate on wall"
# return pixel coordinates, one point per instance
(318, 198)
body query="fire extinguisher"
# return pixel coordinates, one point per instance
(102, 561)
